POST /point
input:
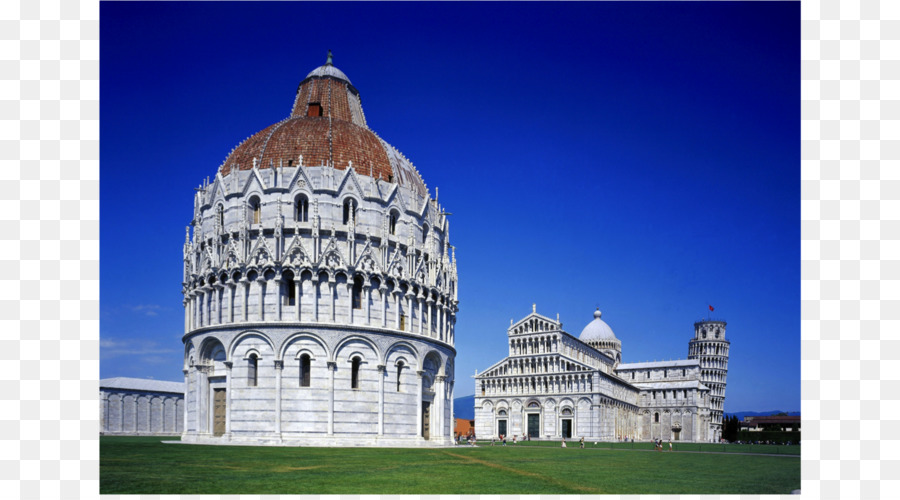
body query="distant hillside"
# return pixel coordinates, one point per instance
(742, 414)
(464, 407)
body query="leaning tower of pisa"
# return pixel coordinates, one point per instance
(711, 348)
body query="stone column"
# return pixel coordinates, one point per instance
(397, 293)
(187, 391)
(381, 374)
(453, 410)
(350, 302)
(261, 302)
(228, 365)
(201, 397)
(298, 293)
(121, 413)
(421, 301)
(409, 308)
(383, 289)
(104, 412)
(419, 394)
(430, 302)
(332, 366)
(230, 302)
(368, 290)
(331, 288)
(135, 413)
(244, 312)
(315, 290)
(187, 315)
(220, 300)
(201, 303)
(440, 322)
(439, 403)
(279, 364)
(278, 299)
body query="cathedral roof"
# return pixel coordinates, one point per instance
(659, 364)
(683, 384)
(326, 127)
(597, 330)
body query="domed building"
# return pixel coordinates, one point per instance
(320, 287)
(553, 385)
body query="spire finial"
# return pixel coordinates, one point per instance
(328, 62)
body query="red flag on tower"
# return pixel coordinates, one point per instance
(711, 308)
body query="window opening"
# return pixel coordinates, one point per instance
(314, 109)
(399, 372)
(304, 370)
(252, 365)
(354, 374)
(349, 209)
(301, 210)
(291, 291)
(357, 292)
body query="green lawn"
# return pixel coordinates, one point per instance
(145, 465)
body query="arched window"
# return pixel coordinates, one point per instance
(290, 298)
(424, 233)
(357, 292)
(301, 209)
(399, 372)
(304, 370)
(354, 374)
(220, 216)
(395, 215)
(656, 417)
(254, 206)
(349, 210)
(252, 368)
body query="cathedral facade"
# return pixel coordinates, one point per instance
(553, 385)
(320, 287)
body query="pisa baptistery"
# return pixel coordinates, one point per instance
(320, 287)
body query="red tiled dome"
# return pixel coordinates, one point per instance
(326, 126)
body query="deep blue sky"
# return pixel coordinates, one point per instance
(638, 157)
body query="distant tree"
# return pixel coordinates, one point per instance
(730, 428)
(781, 414)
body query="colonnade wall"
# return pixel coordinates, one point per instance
(140, 412)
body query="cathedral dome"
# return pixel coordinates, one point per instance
(328, 69)
(326, 127)
(597, 330)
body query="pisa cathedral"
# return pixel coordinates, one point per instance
(553, 385)
(320, 287)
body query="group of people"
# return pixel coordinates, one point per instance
(659, 444)
(580, 442)
(515, 439)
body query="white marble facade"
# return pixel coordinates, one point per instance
(554, 385)
(320, 299)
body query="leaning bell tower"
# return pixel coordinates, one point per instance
(711, 348)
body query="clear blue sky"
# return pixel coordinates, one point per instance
(638, 157)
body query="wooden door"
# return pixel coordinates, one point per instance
(218, 412)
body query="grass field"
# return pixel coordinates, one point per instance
(145, 465)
